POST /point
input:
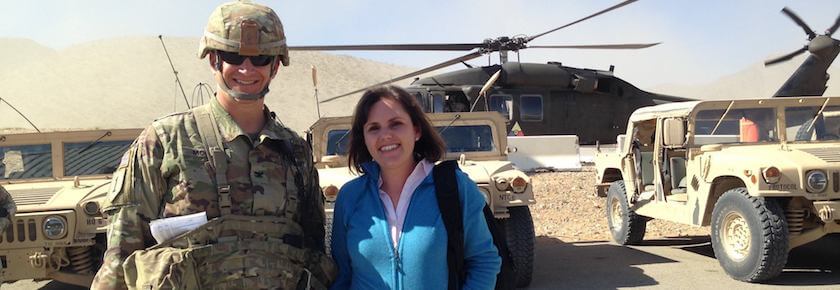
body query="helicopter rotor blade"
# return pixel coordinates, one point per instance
(786, 57)
(600, 46)
(433, 47)
(799, 22)
(412, 74)
(619, 5)
(834, 27)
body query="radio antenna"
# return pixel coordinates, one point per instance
(21, 114)
(177, 79)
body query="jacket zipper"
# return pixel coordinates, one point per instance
(396, 252)
(396, 262)
(402, 233)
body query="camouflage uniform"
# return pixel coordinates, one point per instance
(7, 205)
(8, 209)
(166, 173)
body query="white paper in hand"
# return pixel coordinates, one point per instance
(167, 228)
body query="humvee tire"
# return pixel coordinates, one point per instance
(519, 229)
(626, 227)
(749, 236)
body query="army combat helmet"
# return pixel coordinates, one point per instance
(248, 29)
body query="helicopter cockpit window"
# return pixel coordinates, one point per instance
(478, 138)
(736, 126)
(803, 123)
(437, 103)
(27, 161)
(93, 158)
(499, 103)
(531, 108)
(338, 142)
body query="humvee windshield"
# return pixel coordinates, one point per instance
(93, 158)
(803, 124)
(338, 142)
(748, 125)
(458, 139)
(84, 158)
(27, 161)
(476, 138)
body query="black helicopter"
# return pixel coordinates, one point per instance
(537, 98)
(810, 78)
(552, 99)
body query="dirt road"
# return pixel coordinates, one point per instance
(572, 252)
(674, 263)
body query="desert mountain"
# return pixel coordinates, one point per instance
(127, 82)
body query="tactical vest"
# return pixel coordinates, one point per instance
(230, 251)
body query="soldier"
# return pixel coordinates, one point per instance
(235, 161)
(7, 213)
(7, 210)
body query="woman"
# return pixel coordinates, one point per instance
(387, 229)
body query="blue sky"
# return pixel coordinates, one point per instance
(702, 40)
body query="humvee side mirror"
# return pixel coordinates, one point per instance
(673, 131)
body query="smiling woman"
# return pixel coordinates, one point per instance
(394, 146)
(400, 114)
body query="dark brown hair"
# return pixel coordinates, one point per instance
(430, 146)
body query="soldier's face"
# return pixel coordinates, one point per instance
(390, 135)
(247, 77)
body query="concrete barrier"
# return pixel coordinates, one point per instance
(559, 152)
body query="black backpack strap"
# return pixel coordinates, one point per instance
(449, 202)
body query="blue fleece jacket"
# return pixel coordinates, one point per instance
(362, 248)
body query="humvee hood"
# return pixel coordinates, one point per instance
(55, 195)
(791, 156)
(337, 176)
(481, 171)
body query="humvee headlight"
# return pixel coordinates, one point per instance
(91, 208)
(330, 192)
(55, 227)
(771, 175)
(502, 183)
(816, 181)
(519, 184)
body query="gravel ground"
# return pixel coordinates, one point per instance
(567, 209)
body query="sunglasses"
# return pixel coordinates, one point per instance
(236, 59)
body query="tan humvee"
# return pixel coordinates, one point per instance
(58, 181)
(764, 174)
(479, 142)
